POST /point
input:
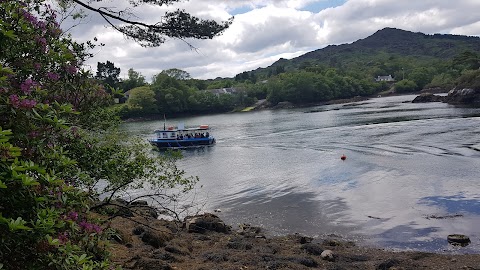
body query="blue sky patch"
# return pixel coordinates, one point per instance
(241, 10)
(323, 4)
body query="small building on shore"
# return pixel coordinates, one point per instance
(388, 78)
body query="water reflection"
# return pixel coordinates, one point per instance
(454, 204)
(292, 212)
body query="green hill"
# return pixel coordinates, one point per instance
(385, 52)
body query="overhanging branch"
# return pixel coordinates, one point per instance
(177, 24)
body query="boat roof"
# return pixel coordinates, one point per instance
(184, 129)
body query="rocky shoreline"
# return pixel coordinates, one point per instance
(205, 242)
(467, 96)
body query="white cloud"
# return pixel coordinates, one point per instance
(265, 30)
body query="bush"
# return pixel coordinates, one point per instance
(58, 140)
(405, 86)
(469, 79)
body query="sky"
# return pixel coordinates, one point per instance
(264, 31)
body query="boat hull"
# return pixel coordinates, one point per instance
(186, 143)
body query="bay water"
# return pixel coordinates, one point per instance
(410, 177)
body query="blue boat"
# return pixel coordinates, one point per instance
(180, 137)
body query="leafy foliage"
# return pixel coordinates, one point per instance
(108, 74)
(135, 79)
(60, 150)
(469, 79)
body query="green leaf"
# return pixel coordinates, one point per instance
(53, 241)
(2, 185)
(10, 34)
(18, 224)
(29, 181)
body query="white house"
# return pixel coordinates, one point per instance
(388, 78)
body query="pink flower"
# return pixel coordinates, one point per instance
(14, 100)
(73, 216)
(63, 237)
(89, 227)
(42, 42)
(27, 85)
(42, 25)
(71, 69)
(37, 66)
(29, 17)
(33, 134)
(53, 76)
(28, 103)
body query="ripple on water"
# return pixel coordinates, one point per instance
(281, 170)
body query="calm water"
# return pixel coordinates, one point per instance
(405, 163)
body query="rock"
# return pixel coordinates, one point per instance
(443, 216)
(331, 242)
(328, 255)
(152, 264)
(130, 209)
(312, 249)
(205, 222)
(435, 90)
(284, 105)
(428, 97)
(458, 240)
(138, 230)
(248, 230)
(154, 239)
(308, 262)
(215, 257)
(239, 244)
(176, 250)
(139, 203)
(164, 256)
(464, 96)
(301, 238)
(388, 264)
(305, 239)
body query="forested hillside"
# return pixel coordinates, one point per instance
(412, 61)
(385, 52)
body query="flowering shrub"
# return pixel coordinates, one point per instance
(56, 144)
(44, 221)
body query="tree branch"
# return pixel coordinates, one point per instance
(177, 24)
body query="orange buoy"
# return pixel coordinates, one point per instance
(343, 157)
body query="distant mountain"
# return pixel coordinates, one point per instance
(385, 44)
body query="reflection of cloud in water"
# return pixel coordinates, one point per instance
(454, 204)
(422, 239)
(291, 213)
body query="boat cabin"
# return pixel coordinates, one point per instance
(183, 137)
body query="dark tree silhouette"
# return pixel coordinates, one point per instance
(175, 24)
(108, 74)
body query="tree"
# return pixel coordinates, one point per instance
(176, 74)
(405, 86)
(467, 60)
(469, 79)
(108, 74)
(175, 24)
(142, 99)
(135, 79)
(421, 76)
